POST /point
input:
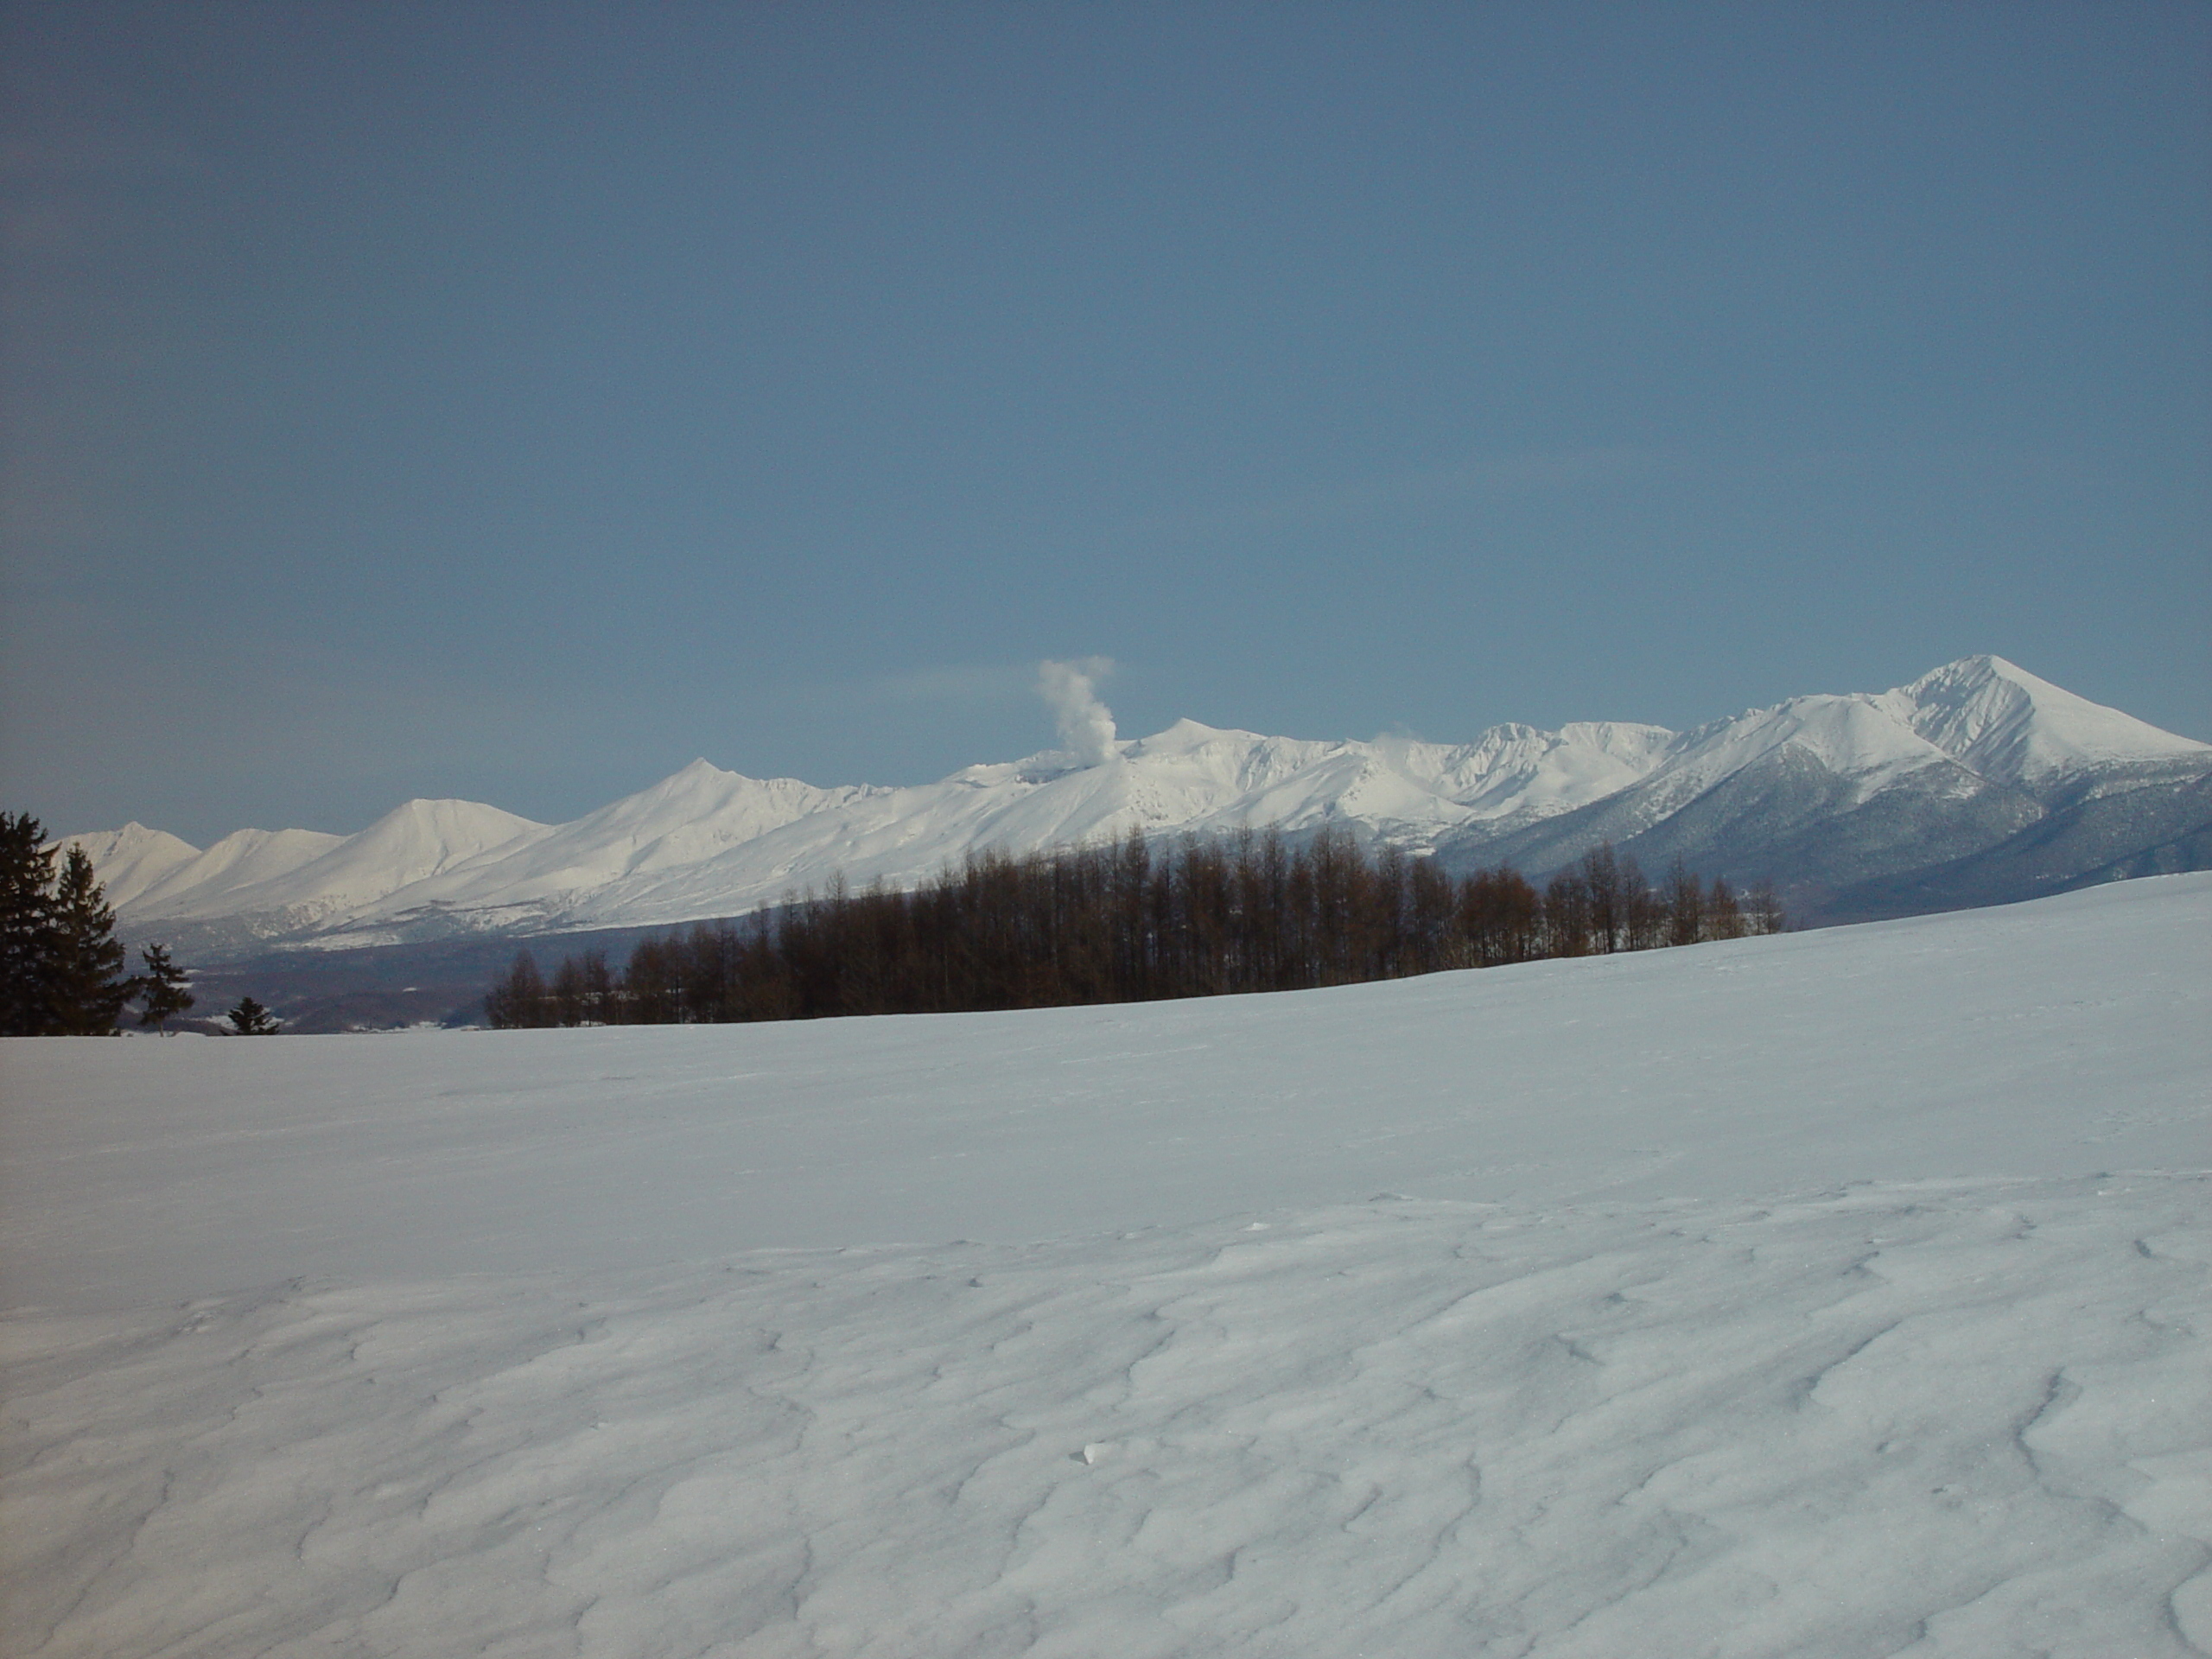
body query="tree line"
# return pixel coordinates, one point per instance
(1127, 923)
(62, 965)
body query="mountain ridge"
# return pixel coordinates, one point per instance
(1826, 794)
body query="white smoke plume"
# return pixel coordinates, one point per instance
(1086, 724)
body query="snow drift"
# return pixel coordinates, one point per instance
(1841, 1293)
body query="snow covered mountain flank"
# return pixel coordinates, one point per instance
(1976, 782)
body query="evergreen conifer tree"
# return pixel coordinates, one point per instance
(26, 923)
(161, 993)
(250, 1019)
(85, 988)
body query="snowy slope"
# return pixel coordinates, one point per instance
(134, 859)
(1190, 778)
(294, 882)
(238, 864)
(710, 842)
(408, 844)
(2002, 723)
(1820, 790)
(678, 825)
(1844, 1293)
(1881, 794)
(1971, 723)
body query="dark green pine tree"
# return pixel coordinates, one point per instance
(162, 992)
(250, 1019)
(85, 987)
(26, 923)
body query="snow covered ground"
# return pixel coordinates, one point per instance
(1836, 1293)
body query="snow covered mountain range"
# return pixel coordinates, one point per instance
(1974, 784)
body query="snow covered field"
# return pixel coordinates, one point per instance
(1836, 1293)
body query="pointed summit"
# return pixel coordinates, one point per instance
(1997, 719)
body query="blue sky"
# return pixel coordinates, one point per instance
(516, 402)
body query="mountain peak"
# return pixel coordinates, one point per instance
(133, 859)
(2007, 724)
(1185, 734)
(1979, 672)
(706, 841)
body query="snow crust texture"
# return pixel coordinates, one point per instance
(707, 842)
(1955, 1419)
(1837, 1294)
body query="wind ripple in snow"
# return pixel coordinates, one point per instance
(1944, 1419)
